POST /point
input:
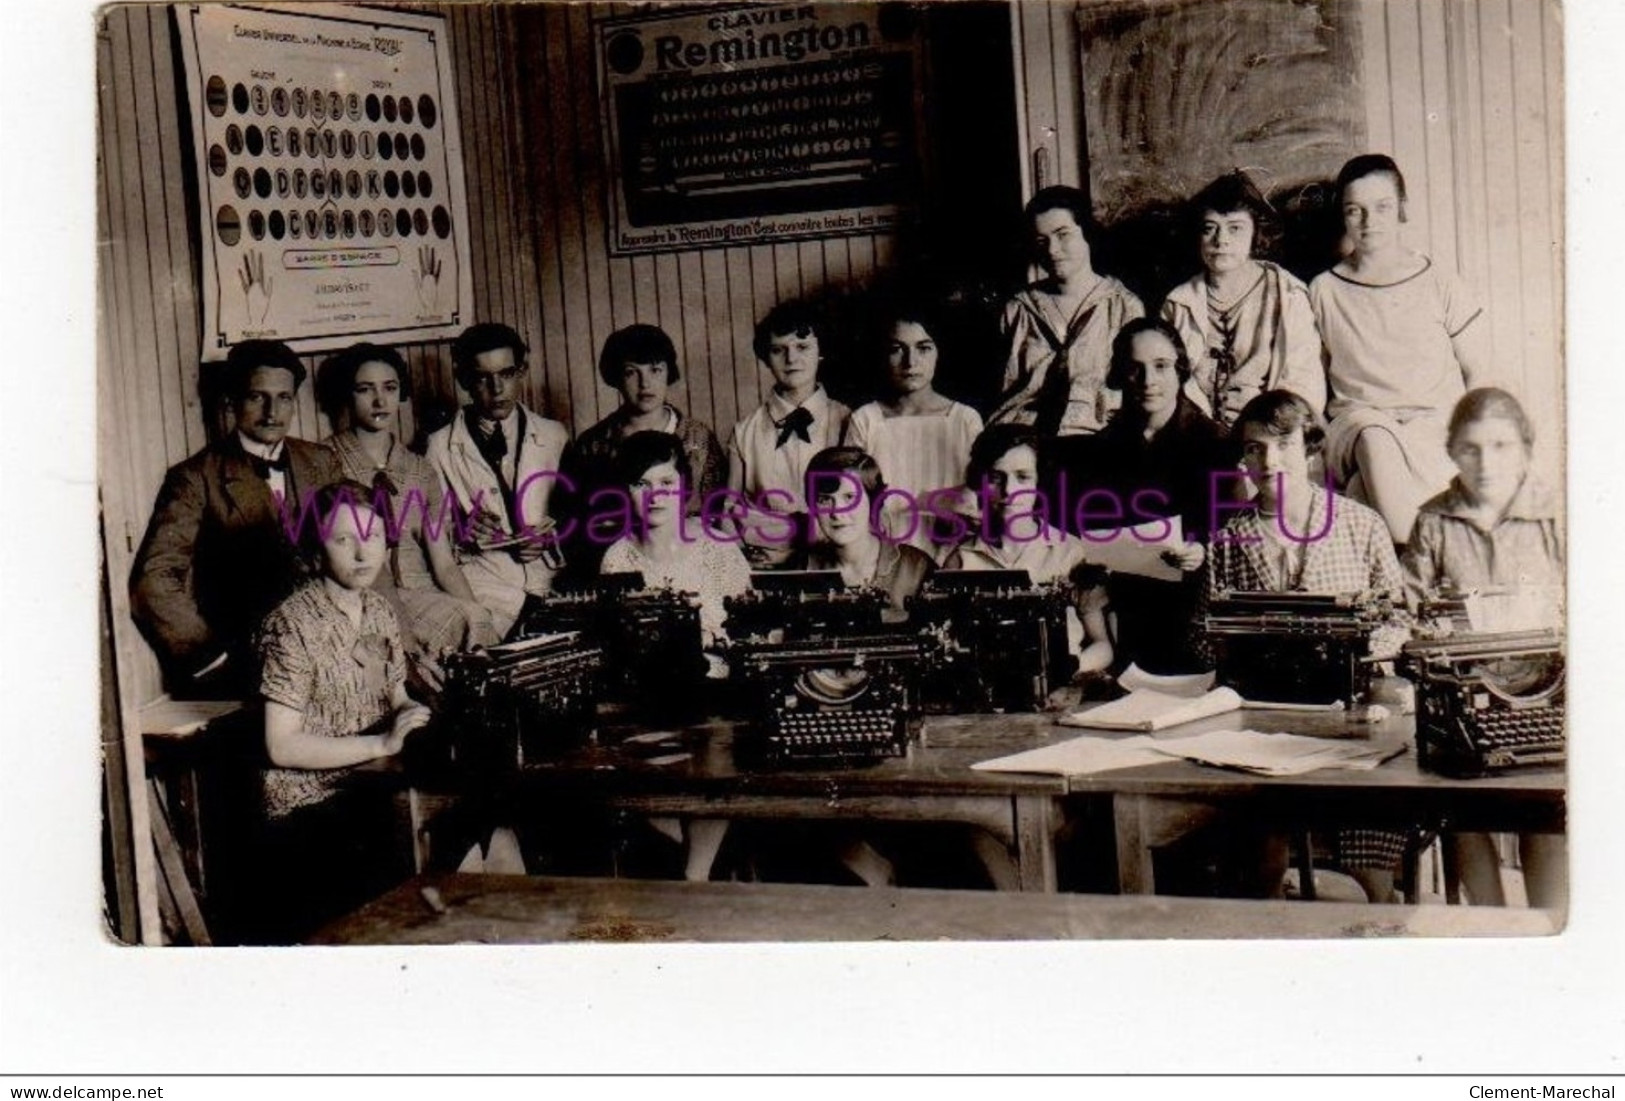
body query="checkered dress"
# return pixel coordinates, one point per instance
(1347, 549)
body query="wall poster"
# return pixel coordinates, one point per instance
(750, 125)
(330, 175)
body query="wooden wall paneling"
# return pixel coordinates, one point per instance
(181, 287)
(669, 299)
(1538, 238)
(645, 291)
(860, 258)
(1552, 58)
(1504, 301)
(546, 199)
(1374, 59)
(580, 407)
(741, 321)
(1063, 64)
(1467, 142)
(520, 175)
(1409, 142)
(589, 161)
(764, 296)
(837, 264)
(787, 271)
(696, 336)
(1433, 121)
(885, 249)
(463, 54)
(810, 259)
(719, 335)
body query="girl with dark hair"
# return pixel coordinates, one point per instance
(361, 389)
(919, 437)
(1060, 329)
(669, 548)
(1495, 534)
(1245, 321)
(844, 487)
(640, 362)
(1404, 342)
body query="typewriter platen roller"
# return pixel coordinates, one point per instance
(1295, 647)
(1488, 702)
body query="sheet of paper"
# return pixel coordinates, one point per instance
(1147, 710)
(1080, 757)
(1277, 754)
(1190, 685)
(1138, 549)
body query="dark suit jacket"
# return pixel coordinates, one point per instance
(217, 557)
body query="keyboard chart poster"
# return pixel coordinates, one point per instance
(741, 126)
(330, 177)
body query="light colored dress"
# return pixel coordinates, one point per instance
(436, 620)
(1265, 341)
(1391, 365)
(1042, 338)
(707, 566)
(917, 454)
(340, 676)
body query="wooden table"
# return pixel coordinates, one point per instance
(1154, 805)
(470, 909)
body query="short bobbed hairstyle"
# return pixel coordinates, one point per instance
(1234, 193)
(1123, 348)
(330, 506)
(246, 357)
(487, 336)
(1281, 413)
(786, 319)
(643, 451)
(997, 441)
(1490, 403)
(1061, 197)
(637, 344)
(335, 379)
(1372, 164)
(835, 465)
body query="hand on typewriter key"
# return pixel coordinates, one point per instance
(407, 720)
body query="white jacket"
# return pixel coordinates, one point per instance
(500, 581)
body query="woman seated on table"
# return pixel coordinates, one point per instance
(1012, 534)
(1297, 536)
(844, 487)
(1495, 536)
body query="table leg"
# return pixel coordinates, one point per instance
(1035, 842)
(704, 840)
(1143, 823)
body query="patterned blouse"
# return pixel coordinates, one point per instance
(341, 677)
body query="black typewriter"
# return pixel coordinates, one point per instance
(650, 638)
(1296, 647)
(520, 701)
(1488, 702)
(825, 680)
(1004, 639)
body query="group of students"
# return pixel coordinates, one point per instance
(330, 579)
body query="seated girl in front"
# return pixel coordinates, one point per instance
(1404, 341)
(334, 683)
(843, 486)
(1012, 534)
(920, 438)
(1496, 534)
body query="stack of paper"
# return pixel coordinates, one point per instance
(1080, 757)
(1148, 710)
(1277, 754)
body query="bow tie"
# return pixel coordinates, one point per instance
(796, 423)
(263, 467)
(382, 480)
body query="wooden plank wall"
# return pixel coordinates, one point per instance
(1467, 95)
(533, 152)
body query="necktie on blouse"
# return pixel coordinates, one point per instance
(797, 423)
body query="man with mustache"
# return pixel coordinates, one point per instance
(217, 555)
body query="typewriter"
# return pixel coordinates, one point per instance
(1296, 647)
(650, 638)
(825, 681)
(1486, 703)
(1004, 639)
(520, 701)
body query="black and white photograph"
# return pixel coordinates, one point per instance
(1077, 484)
(833, 471)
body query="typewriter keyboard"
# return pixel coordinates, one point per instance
(836, 733)
(1532, 728)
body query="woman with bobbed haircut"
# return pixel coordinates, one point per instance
(669, 548)
(640, 363)
(361, 389)
(844, 488)
(1404, 341)
(1246, 321)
